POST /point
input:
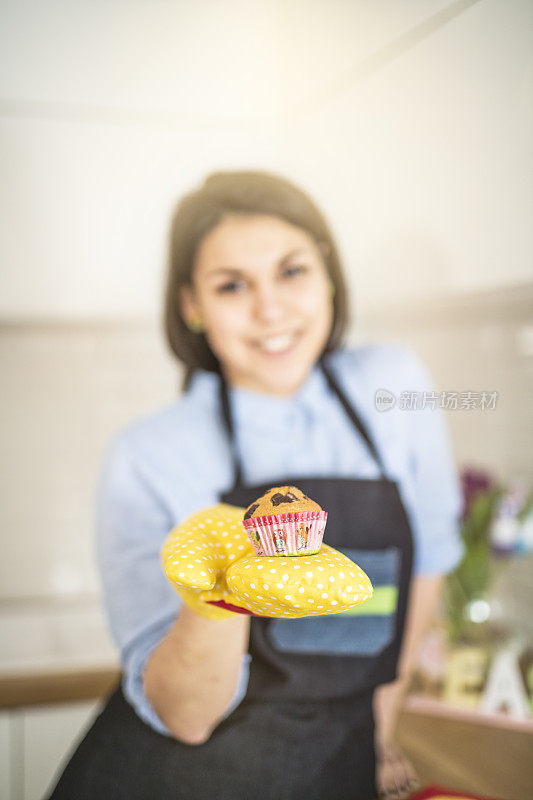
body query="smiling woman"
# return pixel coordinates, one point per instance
(255, 250)
(255, 309)
(268, 318)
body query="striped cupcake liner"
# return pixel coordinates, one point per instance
(299, 533)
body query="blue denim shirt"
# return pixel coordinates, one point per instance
(168, 464)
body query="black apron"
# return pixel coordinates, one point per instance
(305, 729)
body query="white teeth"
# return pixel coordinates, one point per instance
(276, 344)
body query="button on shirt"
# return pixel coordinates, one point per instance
(171, 463)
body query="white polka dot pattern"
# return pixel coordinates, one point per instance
(209, 558)
(302, 584)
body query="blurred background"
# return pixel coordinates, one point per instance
(411, 125)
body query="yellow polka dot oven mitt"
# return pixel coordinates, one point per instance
(211, 562)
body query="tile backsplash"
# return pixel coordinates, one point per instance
(66, 389)
(476, 342)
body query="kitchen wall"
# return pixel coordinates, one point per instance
(410, 123)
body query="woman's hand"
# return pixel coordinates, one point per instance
(212, 564)
(396, 777)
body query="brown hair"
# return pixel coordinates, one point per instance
(198, 212)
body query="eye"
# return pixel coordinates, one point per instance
(294, 271)
(231, 287)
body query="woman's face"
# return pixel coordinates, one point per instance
(261, 289)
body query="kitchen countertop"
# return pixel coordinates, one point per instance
(58, 686)
(54, 650)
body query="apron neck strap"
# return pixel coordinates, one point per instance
(352, 414)
(227, 419)
(228, 422)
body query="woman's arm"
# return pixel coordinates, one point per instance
(192, 674)
(424, 597)
(189, 666)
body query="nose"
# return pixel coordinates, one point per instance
(268, 303)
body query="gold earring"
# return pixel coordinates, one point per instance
(196, 324)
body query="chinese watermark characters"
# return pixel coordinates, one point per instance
(407, 400)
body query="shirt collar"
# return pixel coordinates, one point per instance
(264, 411)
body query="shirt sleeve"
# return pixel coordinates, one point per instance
(437, 499)
(132, 521)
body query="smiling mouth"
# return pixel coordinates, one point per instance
(231, 607)
(277, 344)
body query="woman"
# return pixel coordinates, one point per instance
(256, 309)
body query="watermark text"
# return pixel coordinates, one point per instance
(409, 400)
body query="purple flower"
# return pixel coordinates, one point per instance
(473, 482)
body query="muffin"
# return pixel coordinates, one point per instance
(285, 522)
